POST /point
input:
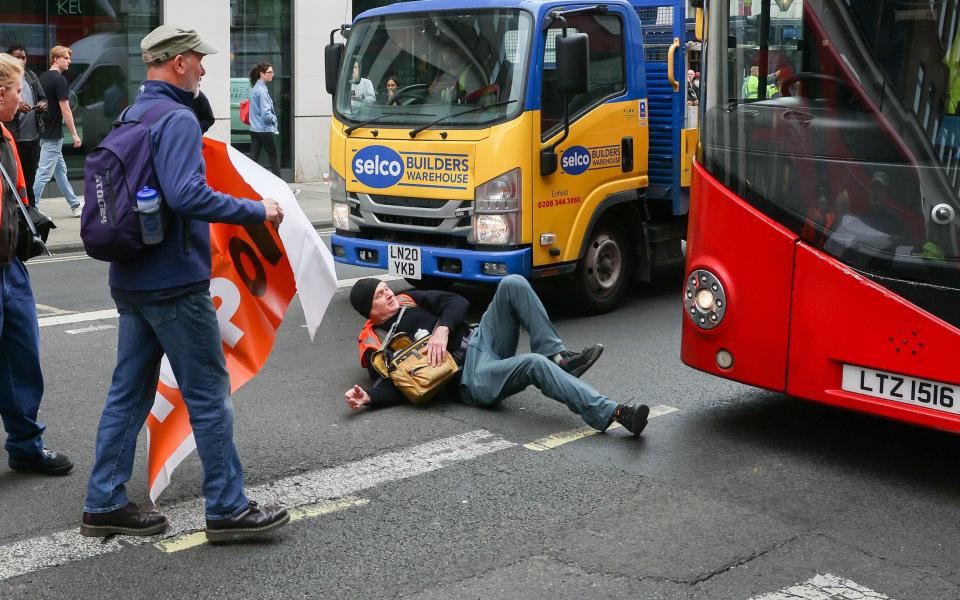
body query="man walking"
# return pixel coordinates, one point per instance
(25, 127)
(163, 297)
(51, 137)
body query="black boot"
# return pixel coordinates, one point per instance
(47, 462)
(632, 415)
(251, 522)
(129, 520)
(577, 363)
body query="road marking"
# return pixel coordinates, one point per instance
(83, 317)
(50, 311)
(59, 259)
(90, 329)
(199, 538)
(345, 283)
(565, 437)
(825, 587)
(304, 492)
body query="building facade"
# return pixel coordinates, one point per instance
(107, 69)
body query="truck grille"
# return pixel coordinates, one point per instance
(409, 202)
(408, 220)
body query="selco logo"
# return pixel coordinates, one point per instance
(575, 160)
(377, 166)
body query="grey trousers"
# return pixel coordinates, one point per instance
(492, 369)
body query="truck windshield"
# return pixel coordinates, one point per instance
(840, 120)
(413, 68)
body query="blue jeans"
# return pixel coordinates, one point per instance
(52, 165)
(186, 329)
(492, 369)
(21, 381)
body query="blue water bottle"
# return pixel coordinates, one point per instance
(148, 207)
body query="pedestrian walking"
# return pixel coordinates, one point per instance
(21, 380)
(51, 162)
(490, 368)
(25, 126)
(263, 117)
(163, 297)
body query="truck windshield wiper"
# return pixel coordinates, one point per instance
(415, 132)
(353, 128)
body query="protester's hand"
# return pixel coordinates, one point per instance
(274, 212)
(357, 397)
(437, 346)
(40, 107)
(77, 142)
(24, 107)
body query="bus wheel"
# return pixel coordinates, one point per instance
(429, 282)
(603, 273)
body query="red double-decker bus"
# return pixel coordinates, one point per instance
(823, 256)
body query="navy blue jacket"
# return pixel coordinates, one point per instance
(178, 160)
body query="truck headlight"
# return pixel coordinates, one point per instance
(341, 215)
(339, 209)
(496, 211)
(496, 230)
(338, 187)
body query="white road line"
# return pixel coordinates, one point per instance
(28, 556)
(345, 283)
(825, 587)
(83, 317)
(50, 311)
(90, 329)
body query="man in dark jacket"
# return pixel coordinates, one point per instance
(491, 368)
(25, 127)
(165, 307)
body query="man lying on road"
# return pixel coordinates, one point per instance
(490, 370)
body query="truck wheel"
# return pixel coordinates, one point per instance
(603, 273)
(429, 282)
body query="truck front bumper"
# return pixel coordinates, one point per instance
(435, 262)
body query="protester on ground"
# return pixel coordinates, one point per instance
(21, 380)
(25, 126)
(163, 297)
(263, 117)
(491, 369)
(51, 138)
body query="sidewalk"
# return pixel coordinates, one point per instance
(314, 199)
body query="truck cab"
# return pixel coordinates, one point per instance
(476, 139)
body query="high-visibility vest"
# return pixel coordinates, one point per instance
(368, 338)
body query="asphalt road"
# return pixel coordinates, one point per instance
(731, 492)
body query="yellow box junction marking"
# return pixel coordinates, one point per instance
(565, 437)
(198, 538)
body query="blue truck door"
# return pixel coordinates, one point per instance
(664, 25)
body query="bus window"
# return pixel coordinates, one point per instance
(857, 152)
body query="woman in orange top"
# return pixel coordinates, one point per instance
(21, 381)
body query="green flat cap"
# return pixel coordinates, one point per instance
(167, 41)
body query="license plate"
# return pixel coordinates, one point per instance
(902, 388)
(403, 261)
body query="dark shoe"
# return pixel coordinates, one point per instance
(577, 363)
(252, 521)
(632, 415)
(129, 520)
(47, 463)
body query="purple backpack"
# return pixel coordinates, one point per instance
(113, 173)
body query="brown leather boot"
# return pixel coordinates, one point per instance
(253, 521)
(129, 520)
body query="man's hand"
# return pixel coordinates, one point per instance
(437, 346)
(42, 106)
(77, 142)
(274, 212)
(24, 107)
(356, 397)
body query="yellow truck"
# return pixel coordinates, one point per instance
(472, 139)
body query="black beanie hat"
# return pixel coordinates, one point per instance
(361, 296)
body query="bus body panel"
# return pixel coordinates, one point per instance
(755, 329)
(835, 315)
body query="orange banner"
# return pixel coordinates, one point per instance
(252, 285)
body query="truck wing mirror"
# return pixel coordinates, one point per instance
(573, 63)
(333, 57)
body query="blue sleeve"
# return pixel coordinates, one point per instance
(255, 108)
(269, 115)
(178, 160)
